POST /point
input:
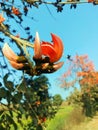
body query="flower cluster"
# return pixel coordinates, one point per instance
(88, 78)
(1, 19)
(15, 11)
(45, 56)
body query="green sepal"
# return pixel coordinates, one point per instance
(22, 59)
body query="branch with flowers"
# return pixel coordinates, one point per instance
(58, 4)
(30, 97)
(45, 54)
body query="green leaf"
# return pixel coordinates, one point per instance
(8, 96)
(39, 127)
(5, 78)
(1, 127)
(17, 98)
(11, 121)
(8, 84)
(3, 93)
(22, 87)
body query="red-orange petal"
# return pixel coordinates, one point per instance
(53, 51)
(58, 46)
(48, 50)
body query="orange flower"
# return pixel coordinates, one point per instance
(45, 56)
(38, 103)
(42, 120)
(53, 51)
(1, 19)
(15, 11)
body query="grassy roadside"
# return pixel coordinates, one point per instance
(72, 118)
(58, 122)
(67, 118)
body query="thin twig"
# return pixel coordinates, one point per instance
(4, 29)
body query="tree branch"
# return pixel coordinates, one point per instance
(19, 41)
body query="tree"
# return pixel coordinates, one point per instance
(28, 100)
(87, 78)
(57, 100)
(76, 66)
(89, 85)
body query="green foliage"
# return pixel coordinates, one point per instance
(67, 118)
(87, 98)
(90, 100)
(28, 101)
(57, 100)
(75, 97)
(58, 122)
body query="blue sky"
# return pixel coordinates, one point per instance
(78, 29)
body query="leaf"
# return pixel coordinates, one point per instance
(5, 78)
(39, 127)
(22, 87)
(8, 84)
(2, 127)
(11, 113)
(3, 93)
(11, 121)
(17, 98)
(8, 97)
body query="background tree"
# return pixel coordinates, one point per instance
(86, 77)
(57, 100)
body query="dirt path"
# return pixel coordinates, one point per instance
(89, 125)
(93, 124)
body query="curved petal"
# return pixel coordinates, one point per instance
(58, 65)
(48, 50)
(53, 51)
(16, 65)
(58, 46)
(8, 53)
(37, 47)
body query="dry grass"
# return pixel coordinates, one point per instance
(87, 124)
(75, 118)
(72, 120)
